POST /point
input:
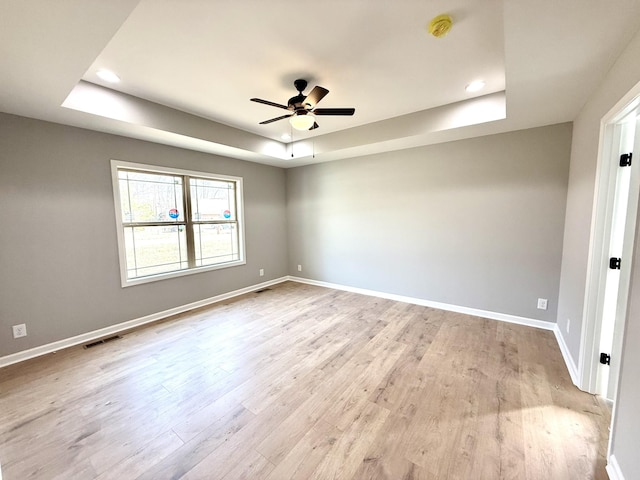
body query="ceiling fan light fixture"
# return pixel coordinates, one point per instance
(302, 121)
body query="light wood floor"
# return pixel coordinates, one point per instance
(302, 382)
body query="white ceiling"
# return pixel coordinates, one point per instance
(189, 68)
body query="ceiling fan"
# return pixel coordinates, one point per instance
(303, 107)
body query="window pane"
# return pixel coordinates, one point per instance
(157, 249)
(212, 200)
(216, 243)
(150, 197)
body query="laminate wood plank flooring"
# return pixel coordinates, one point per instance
(303, 382)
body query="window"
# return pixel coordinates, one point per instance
(174, 222)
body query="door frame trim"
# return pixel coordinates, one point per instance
(599, 240)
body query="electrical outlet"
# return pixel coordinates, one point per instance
(262, 272)
(299, 268)
(568, 324)
(542, 304)
(19, 330)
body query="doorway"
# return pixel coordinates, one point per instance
(613, 235)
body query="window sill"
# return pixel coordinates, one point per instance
(130, 282)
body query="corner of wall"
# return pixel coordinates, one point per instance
(566, 355)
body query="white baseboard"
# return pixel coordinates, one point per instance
(121, 327)
(568, 359)
(530, 322)
(613, 469)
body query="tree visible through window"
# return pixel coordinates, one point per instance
(175, 221)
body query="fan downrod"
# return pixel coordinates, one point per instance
(296, 103)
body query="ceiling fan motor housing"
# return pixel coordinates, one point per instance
(296, 102)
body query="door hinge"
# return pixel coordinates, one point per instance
(614, 263)
(605, 359)
(625, 159)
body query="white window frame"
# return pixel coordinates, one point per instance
(127, 282)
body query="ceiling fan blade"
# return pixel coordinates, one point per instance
(314, 126)
(267, 102)
(275, 119)
(317, 94)
(334, 111)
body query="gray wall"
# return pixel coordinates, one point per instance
(475, 223)
(59, 270)
(584, 151)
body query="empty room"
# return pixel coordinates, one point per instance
(319, 240)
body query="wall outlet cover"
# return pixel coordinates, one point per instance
(19, 330)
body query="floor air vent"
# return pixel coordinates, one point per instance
(104, 340)
(262, 290)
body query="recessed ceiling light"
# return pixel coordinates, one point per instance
(285, 136)
(475, 86)
(108, 76)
